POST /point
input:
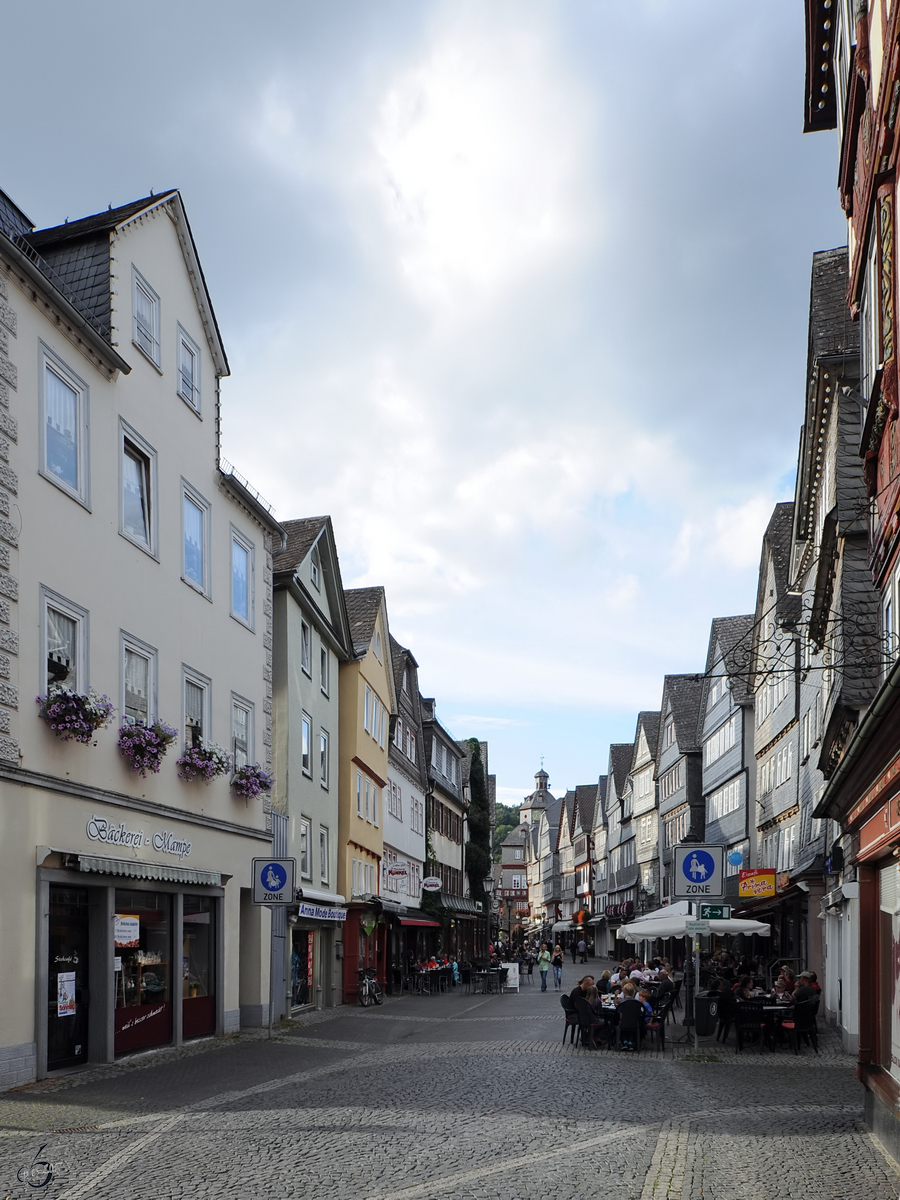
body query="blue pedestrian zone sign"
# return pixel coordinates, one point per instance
(699, 872)
(273, 880)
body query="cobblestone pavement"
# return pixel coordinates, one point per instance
(445, 1096)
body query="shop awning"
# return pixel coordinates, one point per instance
(417, 921)
(133, 869)
(559, 926)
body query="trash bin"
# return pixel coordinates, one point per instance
(706, 1014)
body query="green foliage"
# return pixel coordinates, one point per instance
(507, 821)
(478, 847)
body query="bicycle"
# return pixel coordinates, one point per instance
(369, 988)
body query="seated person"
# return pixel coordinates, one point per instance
(779, 992)
(631, 1012)
(581, 987)
(744, 988)
(603, 983)
(646, 1001)
(805, 989)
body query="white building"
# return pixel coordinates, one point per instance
(133, 564)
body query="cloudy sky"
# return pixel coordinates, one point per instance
(515, 289)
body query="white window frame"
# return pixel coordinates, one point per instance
(359, 794)
(190, 493)
(306, 647)
(186, 342)
(248, 706)
(324, 866)
(48, 361)
(189, 675)
(725, 799)
(324, 776)
(143, 447)
(139, 283)
(128, 642)
(324, 669)
(79, 615)
(305, 849)
(315, 567)
(245, 544)
(306, 728)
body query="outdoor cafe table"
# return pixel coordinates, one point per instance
(774, 1017)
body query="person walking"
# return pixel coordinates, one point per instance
(582, 949)
(544, 965)
(557, 962)
(574, 952)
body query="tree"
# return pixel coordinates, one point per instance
(507, 817)
(478, 847)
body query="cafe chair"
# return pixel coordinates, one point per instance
(677, 995)
(587, 1022)
(727, 1011)
(572, 1022)
(465, 977)
(750, 1023)
(656, 1026)
(802, 1023)
(629, 1034)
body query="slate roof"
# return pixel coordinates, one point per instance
(777, 542)
(13, 221)
(685, 695)
(831, 331)
(554, 812)
(362, 609)
(567, 812)
(586, 799)
(649, 722)
(734, 635)
(301, 536)
(102, 222)
(600, 807)
(620, 755)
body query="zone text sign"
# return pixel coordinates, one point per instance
(273, 880)
(699, 872)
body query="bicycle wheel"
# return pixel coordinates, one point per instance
(378, 993)
(363, 993)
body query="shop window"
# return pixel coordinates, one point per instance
(197, 973)
(143, 1009)
(302, 963)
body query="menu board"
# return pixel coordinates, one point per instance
(127, 930)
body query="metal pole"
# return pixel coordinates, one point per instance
(696, 982)
(271, 967)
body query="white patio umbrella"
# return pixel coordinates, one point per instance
(670, 922)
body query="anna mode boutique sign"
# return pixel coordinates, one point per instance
(99, 829)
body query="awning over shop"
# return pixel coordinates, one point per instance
(133, 869)
(416, 921)
(560, 926)
(601, 920)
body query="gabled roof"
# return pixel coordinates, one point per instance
(516, 837)
(585, 801)
(785, 607)
(734, 637)
(684, 694)
(620, 756)
(362, 609)
(301, 537)
(554, 813)
(401, 657)
(567, 815)
(649, 723)
(77, 253)
(600, 806)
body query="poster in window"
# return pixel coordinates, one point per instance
(127, 930)
(65, 994)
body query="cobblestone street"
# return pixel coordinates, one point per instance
(454, 1095)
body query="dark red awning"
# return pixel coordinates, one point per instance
(412, 921)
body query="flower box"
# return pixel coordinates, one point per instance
(145, 746)
(74, 716)
(248, 781)
(203, 762)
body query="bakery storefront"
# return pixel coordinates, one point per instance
(131, 948)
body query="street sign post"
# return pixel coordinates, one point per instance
(699, 872)
(273, 885)
(273, 880)
(696, 928)
(715, 912)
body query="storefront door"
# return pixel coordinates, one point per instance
(198, 1000)
(143, 1001)
(67, 1000)
(302, 967)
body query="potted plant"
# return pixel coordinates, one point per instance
(74, 716)
(203, 762)
(145, 745)
(251, 779)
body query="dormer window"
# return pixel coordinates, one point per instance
(314, 567)
(669, 732)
